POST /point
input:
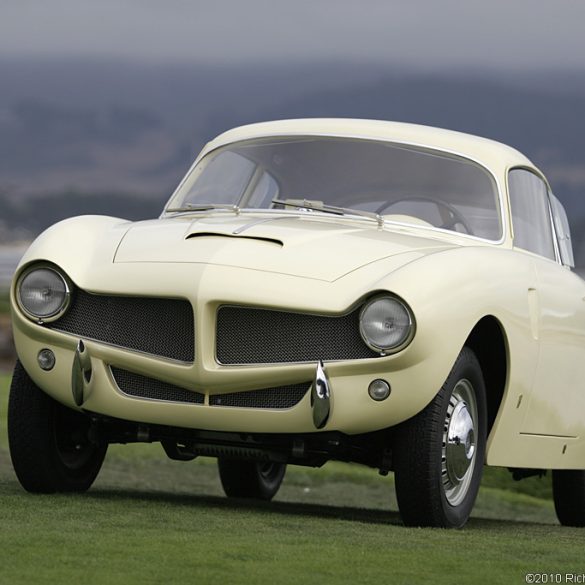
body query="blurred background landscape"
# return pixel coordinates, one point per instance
(111, 138)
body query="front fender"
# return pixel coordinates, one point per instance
(78, 244)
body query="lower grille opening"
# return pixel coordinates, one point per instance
(143, 387)
(280, 397)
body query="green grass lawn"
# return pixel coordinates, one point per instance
(151, 520)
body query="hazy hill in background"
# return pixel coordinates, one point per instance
(115, 138)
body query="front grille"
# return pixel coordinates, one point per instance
(264, 336)
(161, 327)
(143, 387)
(277, 398)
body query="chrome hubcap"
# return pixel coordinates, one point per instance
(459, 442)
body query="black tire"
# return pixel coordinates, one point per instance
(49, 444)
(250, 479)
(437, 480)
(569, 497)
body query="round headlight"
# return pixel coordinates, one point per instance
(386, 324)
(43, 293)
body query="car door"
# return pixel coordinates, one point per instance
(556, 404)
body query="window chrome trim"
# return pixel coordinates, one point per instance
(540, 176)
(557, 239)
(554, 230)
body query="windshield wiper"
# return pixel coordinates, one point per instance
(205, 207)
(320, 206)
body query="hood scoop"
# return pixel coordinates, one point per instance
(234, 236)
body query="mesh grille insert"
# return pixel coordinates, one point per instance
(278, 398)
(162, 327)
(143, 387)
(264, 336)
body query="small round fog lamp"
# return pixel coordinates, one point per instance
(46, 359)
(379, 390)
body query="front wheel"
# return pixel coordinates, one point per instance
(50, 446)
(569, 496)
(250, 479)
(439, 453)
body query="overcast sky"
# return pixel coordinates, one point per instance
(422, 33)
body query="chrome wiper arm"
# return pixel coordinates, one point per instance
(368, 214)
(307, 204)
(204, 207)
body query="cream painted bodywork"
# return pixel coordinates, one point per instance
(313, 263)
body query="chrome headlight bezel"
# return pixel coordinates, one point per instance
(53, 315)
(404, 341)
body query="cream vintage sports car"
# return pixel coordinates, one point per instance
(388, 294)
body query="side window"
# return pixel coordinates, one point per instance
(563, 232)
(530, 213)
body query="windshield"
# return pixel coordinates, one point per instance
(402, 183)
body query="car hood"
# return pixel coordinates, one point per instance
(308, 247)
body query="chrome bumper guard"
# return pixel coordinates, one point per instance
(81, 374)
(320, 396)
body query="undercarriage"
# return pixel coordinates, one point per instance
(310, 449)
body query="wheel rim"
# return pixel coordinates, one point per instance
(73, 452)
(459, 442)
(73, 448)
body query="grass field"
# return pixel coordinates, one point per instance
(150, 520)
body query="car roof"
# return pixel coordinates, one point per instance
(494, 155)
